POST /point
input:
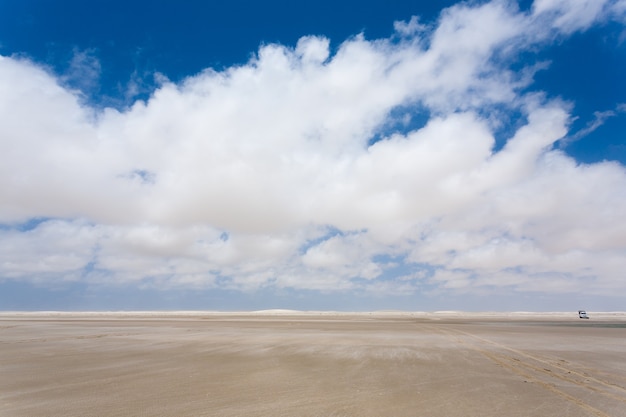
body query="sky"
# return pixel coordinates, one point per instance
(352, 156)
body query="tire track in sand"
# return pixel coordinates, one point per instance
(560, 370)
(544, 373)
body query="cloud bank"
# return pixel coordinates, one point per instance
(374, 167)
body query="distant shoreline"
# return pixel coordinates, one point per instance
(607, 315)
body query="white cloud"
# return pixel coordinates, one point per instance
(234, 179)
(55, 250)
(410, 28)
(573, 15)
(83, 72)
(599, 118)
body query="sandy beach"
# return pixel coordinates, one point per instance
(285, 363)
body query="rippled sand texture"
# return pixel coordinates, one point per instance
(311, 365)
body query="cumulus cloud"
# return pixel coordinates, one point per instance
(288, 171)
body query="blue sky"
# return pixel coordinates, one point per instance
(323, 155)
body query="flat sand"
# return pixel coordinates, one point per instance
(282, 363)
